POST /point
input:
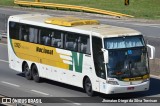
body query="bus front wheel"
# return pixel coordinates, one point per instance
(35, 74)
(88, 87)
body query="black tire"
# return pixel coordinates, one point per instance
(27, 71)
(35, 74)
(88, 87)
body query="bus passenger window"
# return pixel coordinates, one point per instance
(14, 30)
(71, 42)
(56, 39)
(45, 37)
(84, 43)
(33, 33)
(24, 33)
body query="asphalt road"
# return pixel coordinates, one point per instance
(14, 84)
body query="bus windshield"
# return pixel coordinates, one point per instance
(127, 57)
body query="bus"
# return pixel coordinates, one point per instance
(79, 52)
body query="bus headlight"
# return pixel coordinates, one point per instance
(113, 82)
(145, 80)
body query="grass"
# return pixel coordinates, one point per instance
(148, 9)
(7, 2)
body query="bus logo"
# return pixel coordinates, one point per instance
(44, 50)
(17, 45)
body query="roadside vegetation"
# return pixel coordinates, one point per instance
(148, 9)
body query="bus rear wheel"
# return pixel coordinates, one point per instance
(88, 87)
(27, 71)
(35, 73)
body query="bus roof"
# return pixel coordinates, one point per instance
(101, 30)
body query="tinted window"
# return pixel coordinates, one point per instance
(71, 42)
(45, 36)
(14, 30)
(57, 39)
(84, 44)
(33, 35)
(24, 33)
(50, 37)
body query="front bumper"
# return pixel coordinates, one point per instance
(113, 89)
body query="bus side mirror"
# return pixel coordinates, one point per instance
(152, 48)
(105, 54)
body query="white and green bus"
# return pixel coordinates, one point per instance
(80, 52)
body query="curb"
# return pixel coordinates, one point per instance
(74, 7)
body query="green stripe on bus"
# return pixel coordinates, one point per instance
(12, 45)
(71, 67)
(77, 61)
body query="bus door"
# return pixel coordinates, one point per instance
(99, 63)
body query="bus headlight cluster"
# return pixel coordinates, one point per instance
(113, 82)
(145, 80)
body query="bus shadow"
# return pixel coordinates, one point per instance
(63, 85)
(58, 84)
(153, 91)
(21, 75)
